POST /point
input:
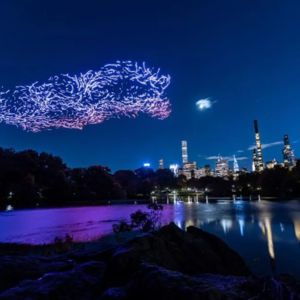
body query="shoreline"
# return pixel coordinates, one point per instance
(39, 250)
(166, 264)
(145, 202)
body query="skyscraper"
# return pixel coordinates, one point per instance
(271, 164)
(235, 165)
(188, 169)
(255, 162)
(174, 168)
(207, 170)
(184, 152)
(260, 163)
(222, 167)
(200, 172)
(288, 153)
(189, 165)
(161, 164)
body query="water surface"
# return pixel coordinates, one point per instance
(266, 234)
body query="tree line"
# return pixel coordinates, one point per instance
(30, 179)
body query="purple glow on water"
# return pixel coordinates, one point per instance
(266, 234)
(41, 226)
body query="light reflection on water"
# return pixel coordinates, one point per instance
(266, 234)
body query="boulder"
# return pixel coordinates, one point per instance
(14, 269)
(167, 264)
(102, 254)
(80, 283)
(153, 282)
(192, 252)
(116, 293)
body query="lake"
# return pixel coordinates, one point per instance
(265, 234)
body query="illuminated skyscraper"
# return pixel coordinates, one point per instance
(271, 164)
(174, 168)
(200, 172)
(260, 163)
(222, 167)
(254, 163)
(189, 166)
(161, 164)
(207, 170)
(184, 152)
(235, 165)
(288, 153)
(188, 169)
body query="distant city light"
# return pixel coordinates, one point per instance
(9, 207)
(174, 168)
(146, 165)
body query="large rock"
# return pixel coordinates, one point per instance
(102, 254)
(167, 264)
(14, 269)
(153, 282)
(79, 283)
(192, 252)
(116, 293)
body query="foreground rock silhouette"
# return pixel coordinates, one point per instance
(167, 264)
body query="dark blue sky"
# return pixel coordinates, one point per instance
(243, 54)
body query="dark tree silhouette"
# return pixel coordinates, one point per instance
(30, 179)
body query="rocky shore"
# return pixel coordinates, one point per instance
(166, 264)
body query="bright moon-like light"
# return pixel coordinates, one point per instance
(204, 104)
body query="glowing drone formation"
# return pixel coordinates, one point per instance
(120, 89)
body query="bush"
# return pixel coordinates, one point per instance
(141, 220)
(63, 246)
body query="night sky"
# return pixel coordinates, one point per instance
(245, 55)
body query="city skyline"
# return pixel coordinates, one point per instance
(258, 165)
(239, 156)
(229, 64)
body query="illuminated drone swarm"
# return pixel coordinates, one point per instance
(120, 89)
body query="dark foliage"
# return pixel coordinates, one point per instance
(140, 220)
(30, 179)
(63, 245)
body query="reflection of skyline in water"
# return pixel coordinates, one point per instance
(266, 229)
(269, 226)
(296, 222)
(227, 224)
(259, 231)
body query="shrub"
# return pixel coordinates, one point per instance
(140, 220)
(63, 246)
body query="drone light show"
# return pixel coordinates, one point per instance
(119, 89)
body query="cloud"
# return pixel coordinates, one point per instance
(295, 142)
(229, 158)
(264, 146)
(240, 151)
(204, 104)
(242, 158)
